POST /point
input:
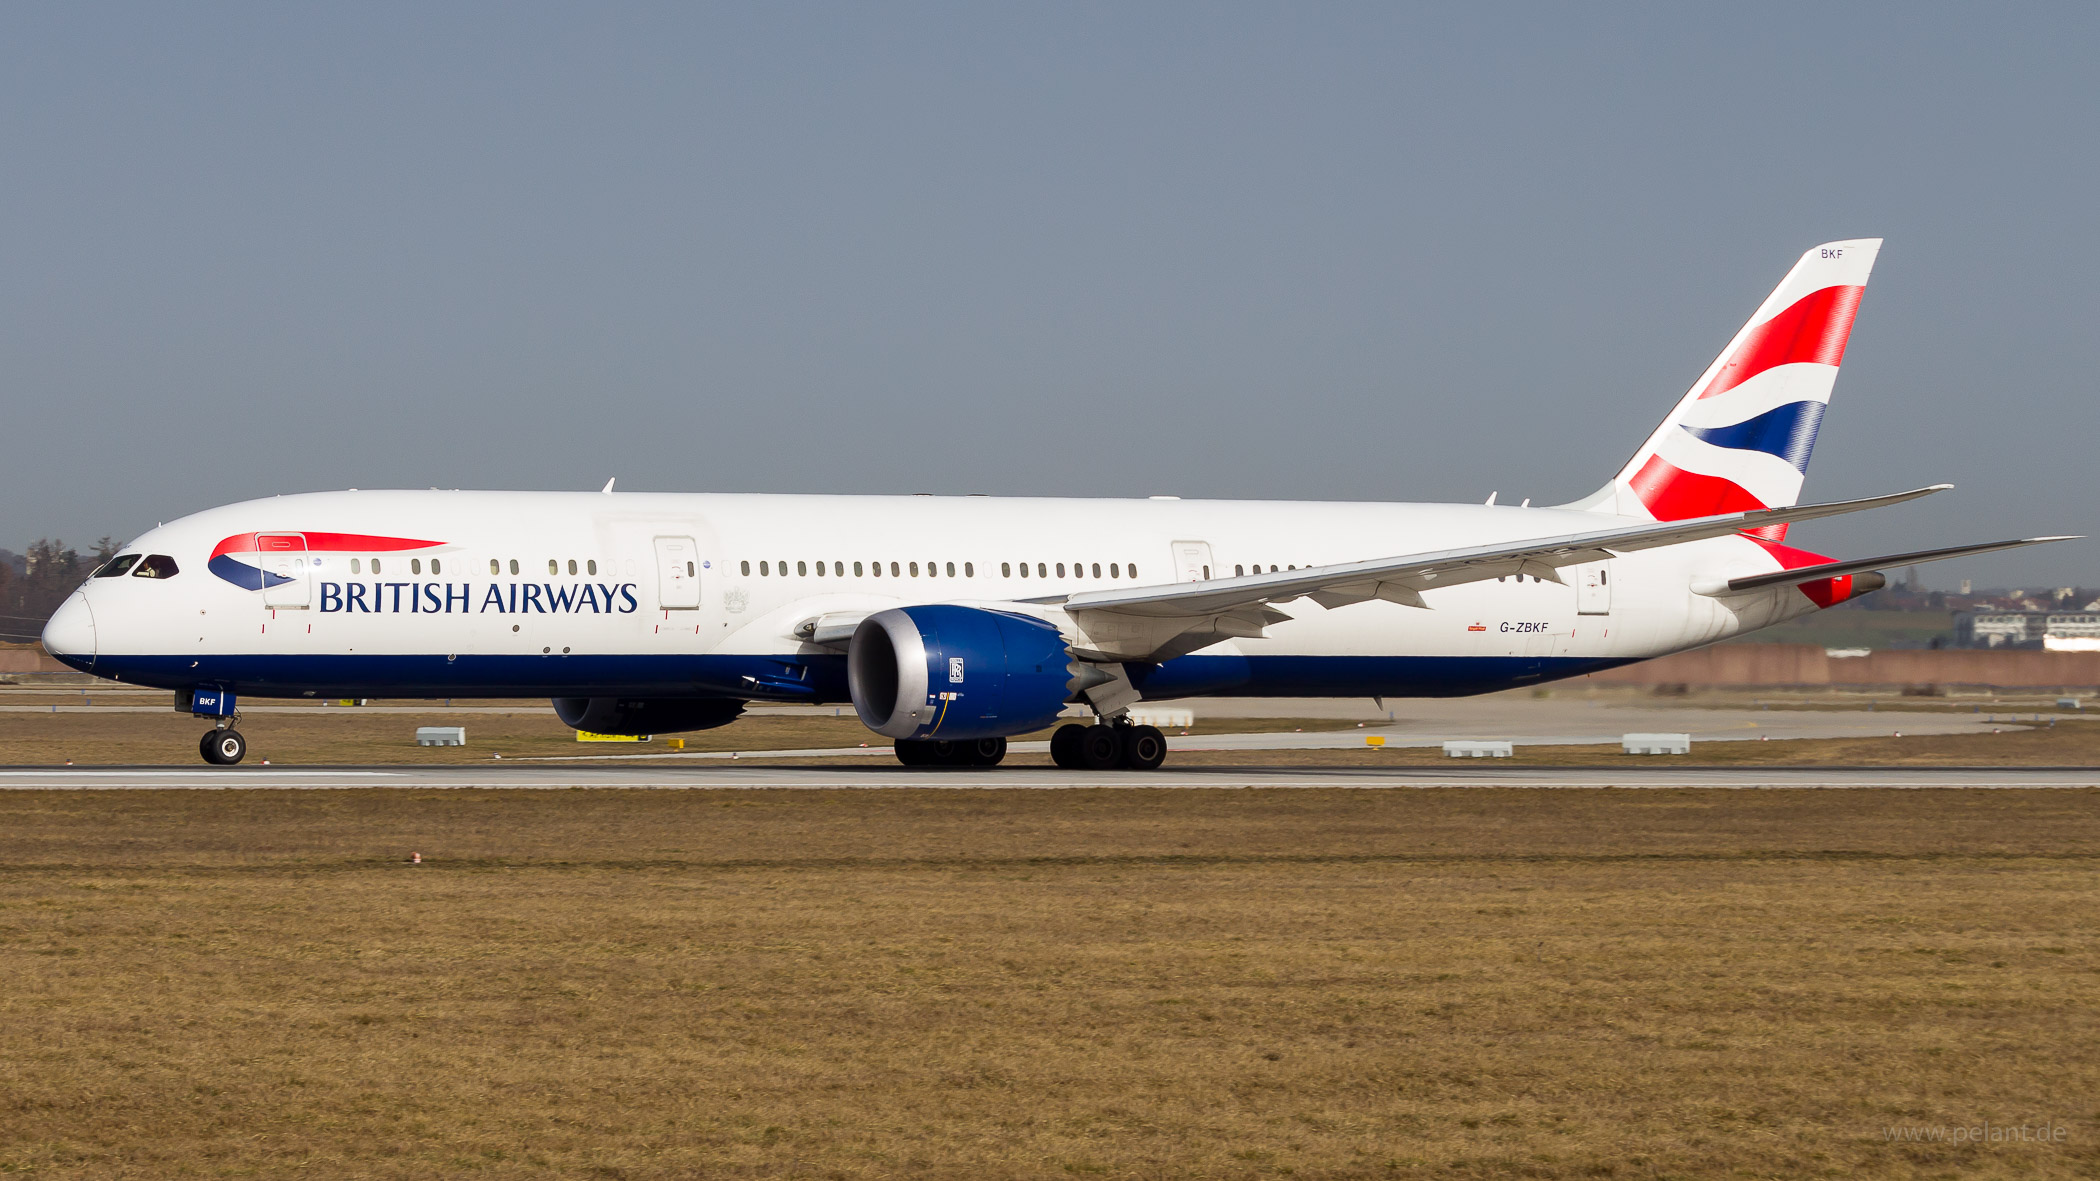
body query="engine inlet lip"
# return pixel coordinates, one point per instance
(886, 673)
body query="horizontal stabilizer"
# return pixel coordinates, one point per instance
(1835, 569)
(1401, 579)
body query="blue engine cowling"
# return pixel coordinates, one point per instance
(645, 715)
(942, 671)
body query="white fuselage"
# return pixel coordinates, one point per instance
(577, 594)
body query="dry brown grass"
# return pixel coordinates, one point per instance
(1045, 984)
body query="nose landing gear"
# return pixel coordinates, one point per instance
(223, 748)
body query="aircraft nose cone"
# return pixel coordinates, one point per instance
(70, 634)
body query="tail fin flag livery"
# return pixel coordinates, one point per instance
(1739, 440)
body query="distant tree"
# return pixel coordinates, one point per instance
(53, 571)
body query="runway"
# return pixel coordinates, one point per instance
(554, 776)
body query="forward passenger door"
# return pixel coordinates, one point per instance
(284, 562)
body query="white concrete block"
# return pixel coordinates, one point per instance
(1656, 744)
(1165, 719)
(441, 735)
(1473, 749)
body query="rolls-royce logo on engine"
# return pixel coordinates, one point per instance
(955, 670)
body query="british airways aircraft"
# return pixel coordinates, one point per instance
(953, 623)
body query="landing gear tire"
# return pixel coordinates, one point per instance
(940, 752)
(1064, 746)
(223, 748)
(1144, 748)
(1100, 747)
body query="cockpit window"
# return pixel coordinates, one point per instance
(117, 566)
(156, 566)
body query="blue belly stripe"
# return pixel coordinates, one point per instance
(808, 679)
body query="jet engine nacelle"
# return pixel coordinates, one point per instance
(948, 672)
(646, 715)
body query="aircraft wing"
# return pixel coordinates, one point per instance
(1856, 565)
(1402, 579)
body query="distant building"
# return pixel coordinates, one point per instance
(2060, 631)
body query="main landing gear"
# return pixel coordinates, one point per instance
(983, 752)
(223, 748)
(1105, 746)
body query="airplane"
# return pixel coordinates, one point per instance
(952, 624)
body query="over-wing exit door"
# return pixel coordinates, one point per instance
(1192, 561)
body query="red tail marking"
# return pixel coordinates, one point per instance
(1813, 330)
(1823, 592)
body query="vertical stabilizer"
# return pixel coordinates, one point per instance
(1740, 438)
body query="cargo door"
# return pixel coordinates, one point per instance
(677, 574)
(284, 563)
(1192, 561)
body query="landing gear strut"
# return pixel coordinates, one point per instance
(1106, 745)
(223, 748)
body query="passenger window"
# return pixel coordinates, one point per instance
(495, 567)
(435, 568)
(1060, 569)
(1024, 569)
(1097, 569)
(591, 566)
(1237, 571)
(802, 568)
(356, 566)
(156, 566)
(1133, 571)
(951, 569)
(875, 568)
(914, 569)
(1042, 570)
(746, 569)
(856, 570)
(415, 565)
(820, 569)
(689, 571)
(572, 565)
(1006, 569)
(117, 566)
(969, 570)
(514, 567)
(1115, 570)
(553, 566)
(375, 565)
(893, 571)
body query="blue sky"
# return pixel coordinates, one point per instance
(1265, 251)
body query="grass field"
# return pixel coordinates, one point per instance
(1144, 984)
(528, 729)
